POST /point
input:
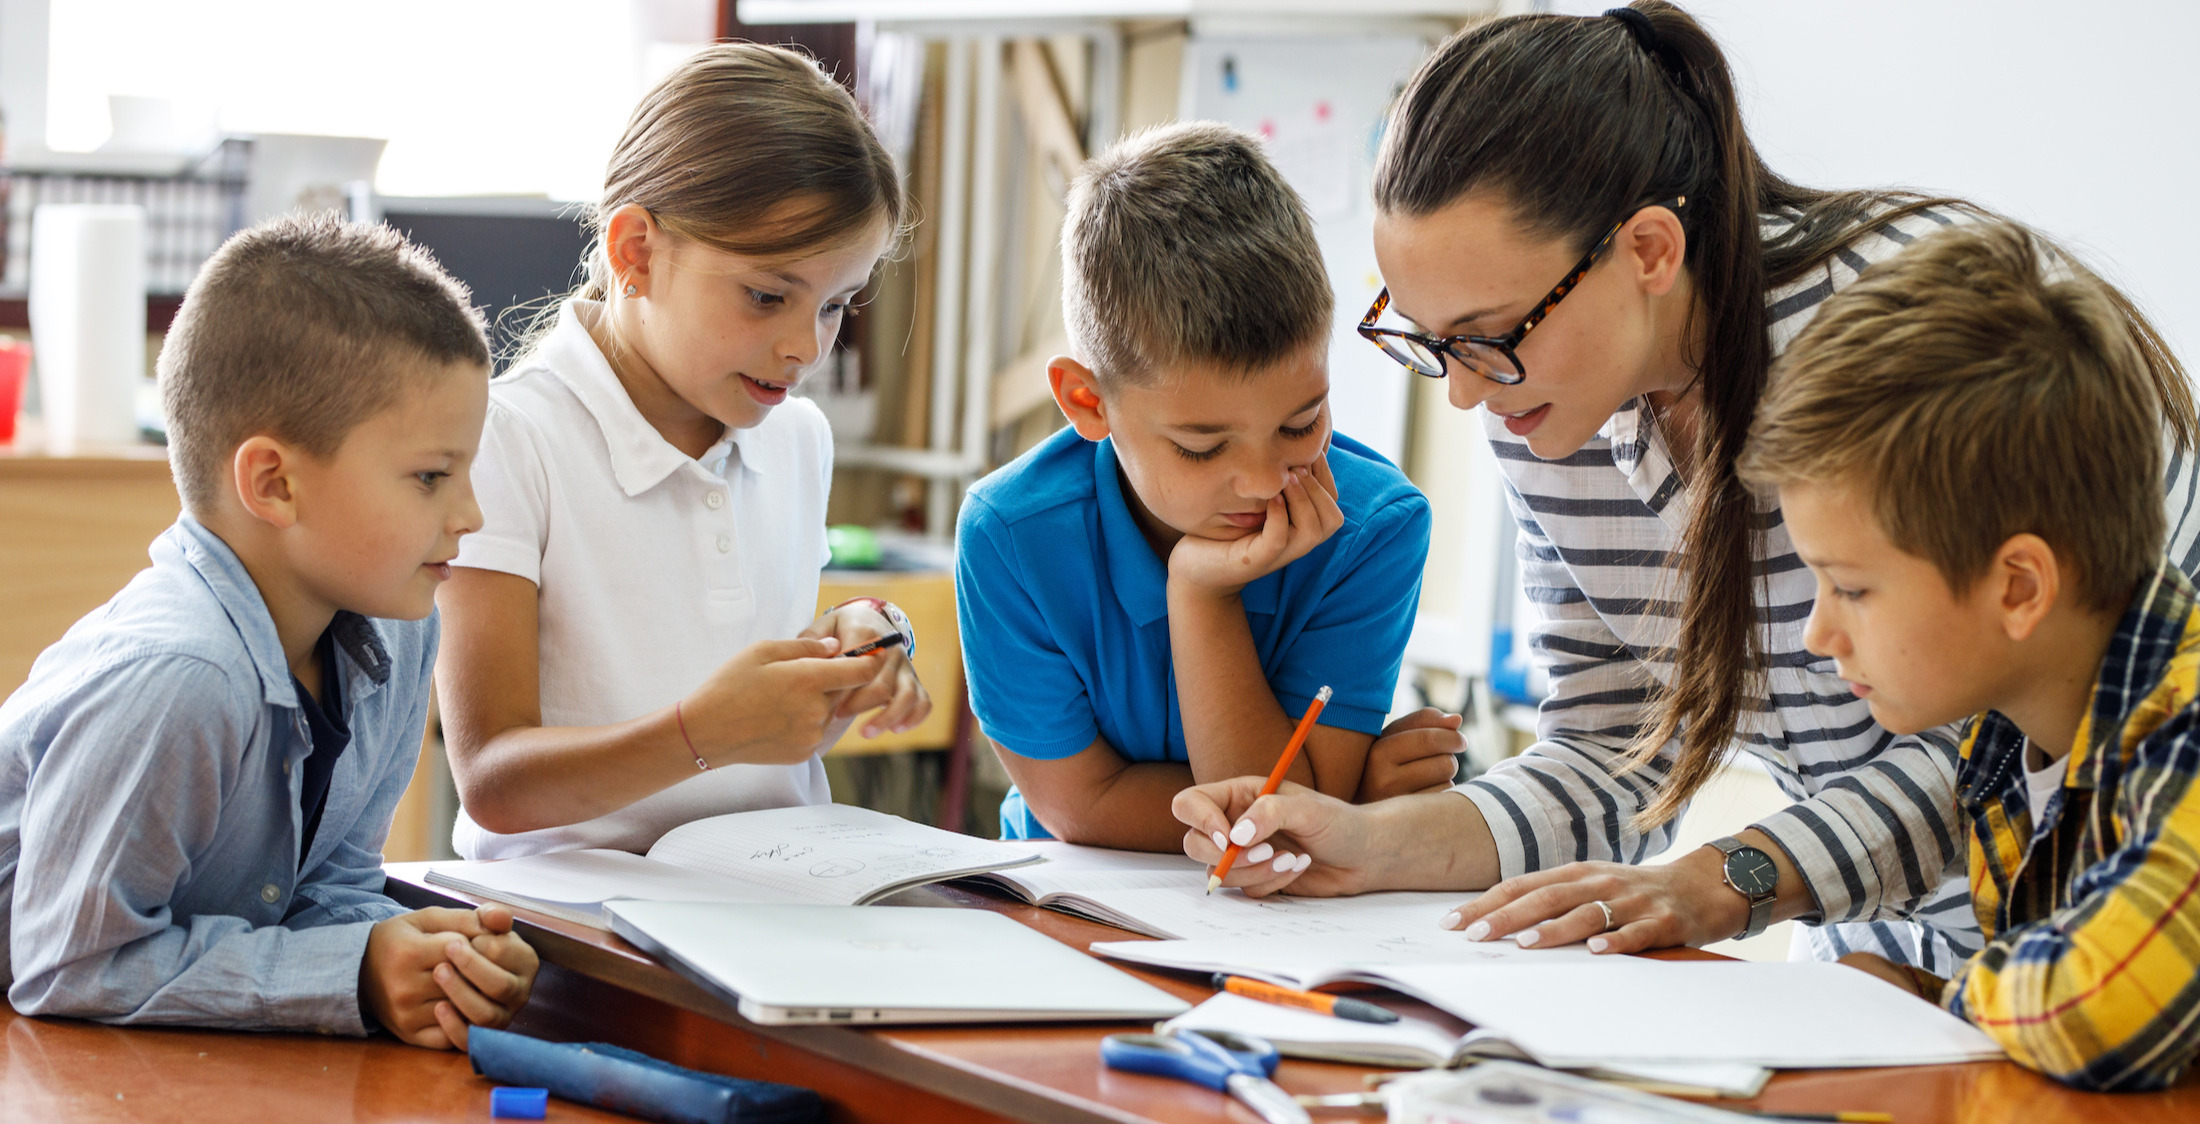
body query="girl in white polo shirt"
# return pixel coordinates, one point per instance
(627, 642)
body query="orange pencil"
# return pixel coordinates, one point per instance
(1275, 778)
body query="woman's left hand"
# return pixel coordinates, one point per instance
(895, 688)
(1684, 902)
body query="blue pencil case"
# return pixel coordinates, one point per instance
(621, 1080)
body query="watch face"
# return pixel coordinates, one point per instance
(1751, 871)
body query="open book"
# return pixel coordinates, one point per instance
(1165, 896)
(1416, 1043)
(820, 854)
(1569, 1010)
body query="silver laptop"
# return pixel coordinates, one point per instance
(882, 964)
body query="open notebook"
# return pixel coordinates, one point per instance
(1415, 1043)
(820, 854)
(1574, 1011)
(1165, 896)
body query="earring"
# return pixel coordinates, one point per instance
(630, 290)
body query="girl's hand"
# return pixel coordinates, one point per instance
(1300, 518)
(895, 688)
(1295, 837)
(775, 702)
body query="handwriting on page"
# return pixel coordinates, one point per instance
(827, 853)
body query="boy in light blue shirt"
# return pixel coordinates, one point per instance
(196, 781)
(1151, 597)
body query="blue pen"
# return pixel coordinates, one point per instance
(1236, 1064)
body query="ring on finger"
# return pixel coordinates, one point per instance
(1609, 924)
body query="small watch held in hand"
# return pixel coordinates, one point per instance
(894, 616)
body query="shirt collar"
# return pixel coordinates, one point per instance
(641, 458)
(2152, 630)
(1140, 578)
(225, 575)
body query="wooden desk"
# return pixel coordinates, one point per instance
(63, 1069)
(597, 987)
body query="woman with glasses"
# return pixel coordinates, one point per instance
(1607, 154)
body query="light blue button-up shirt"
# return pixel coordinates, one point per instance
(149, 826)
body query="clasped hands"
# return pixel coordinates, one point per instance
(429, 974)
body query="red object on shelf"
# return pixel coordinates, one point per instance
(15, 368)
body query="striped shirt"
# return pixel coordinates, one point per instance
(1873, 830)
(2091, 972)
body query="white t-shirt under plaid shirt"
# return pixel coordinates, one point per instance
(1874, 830)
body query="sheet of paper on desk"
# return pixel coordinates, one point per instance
(1190, 912)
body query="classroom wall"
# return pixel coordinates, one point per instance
(2077, 118)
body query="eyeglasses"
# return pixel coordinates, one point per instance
(1492, 357)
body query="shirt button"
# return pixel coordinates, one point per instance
(270, 894)
(715, 500)
(286, 768)
(725, 544)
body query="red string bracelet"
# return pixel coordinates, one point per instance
(682, 720)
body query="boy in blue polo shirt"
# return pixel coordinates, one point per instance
(1150, 598)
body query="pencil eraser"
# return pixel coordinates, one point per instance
(508, 1103)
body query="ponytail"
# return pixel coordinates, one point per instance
(1577, 123)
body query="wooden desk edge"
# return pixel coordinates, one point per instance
(554, 941)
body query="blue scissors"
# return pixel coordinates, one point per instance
(1237, 1064)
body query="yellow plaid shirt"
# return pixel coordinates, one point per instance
(2091, 968)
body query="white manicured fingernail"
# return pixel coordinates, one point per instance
(1242, 833)
(1305, 861)
(1450, 921)
(1598, 944)
(1479, 931)
(1285, 863)
(1527, 937)
(1259, 853)
(1222, 842)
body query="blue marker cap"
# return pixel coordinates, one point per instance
(519, 1104)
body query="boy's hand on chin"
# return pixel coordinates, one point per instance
(1300, 518)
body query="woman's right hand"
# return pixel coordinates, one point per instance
(1294, 821)
(774, 703)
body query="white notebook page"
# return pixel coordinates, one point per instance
(827, 854)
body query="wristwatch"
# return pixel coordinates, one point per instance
(894, 616)
(1752, 875)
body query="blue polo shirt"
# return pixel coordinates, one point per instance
(1064, 608)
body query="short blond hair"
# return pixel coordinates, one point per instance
(302, 328)
(1184, 245)
(1979, 385)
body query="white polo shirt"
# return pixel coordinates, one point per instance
(653, 568)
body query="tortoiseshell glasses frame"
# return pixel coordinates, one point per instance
(1492, 357)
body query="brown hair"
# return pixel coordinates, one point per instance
(1576, 123)
(302, 328)
(1979, 385)
(749, 149)
(1184, 244)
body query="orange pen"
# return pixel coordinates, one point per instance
(1341, 1006)
(1275, 778)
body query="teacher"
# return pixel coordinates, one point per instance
(1607, 154)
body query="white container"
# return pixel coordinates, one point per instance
(87, 305)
